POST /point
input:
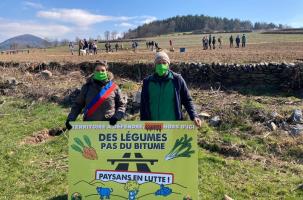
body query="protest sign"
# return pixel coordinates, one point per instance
(133, 160)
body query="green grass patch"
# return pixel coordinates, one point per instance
(245, 179)
(251, 106)
(39, 172)
(31, 172)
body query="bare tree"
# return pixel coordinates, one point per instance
(114, 35)
(99, 38)
(55, 43)
(14, 46)
(107, 35)
(64, 42)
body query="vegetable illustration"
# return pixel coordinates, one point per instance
(132, 187)
(88, 151)
(182, 148)
(87, 140)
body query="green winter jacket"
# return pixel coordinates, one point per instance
(162, 98)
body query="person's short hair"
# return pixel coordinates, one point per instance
(101, 63)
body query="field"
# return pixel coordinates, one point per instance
(243, 157)
(260, 48)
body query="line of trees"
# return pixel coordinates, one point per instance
(196, 22)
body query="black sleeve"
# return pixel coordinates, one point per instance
(186, 99)
(144, 103)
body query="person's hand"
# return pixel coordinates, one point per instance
(68, 125)
(198, 122)
(113, 120)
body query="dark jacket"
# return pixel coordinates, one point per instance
(182, 97)
(114, 105)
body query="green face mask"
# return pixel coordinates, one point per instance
(161, 69)
(100, 76)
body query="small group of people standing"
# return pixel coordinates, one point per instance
(162, 97)
(210, 42)
(238, 41)
(151, 45)
(90, 47)
(108, 47)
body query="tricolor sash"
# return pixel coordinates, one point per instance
(99, 99)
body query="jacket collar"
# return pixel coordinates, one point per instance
(169, 76)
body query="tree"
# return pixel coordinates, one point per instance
(14, 46)
(64, 42)
(114, 35)
(199, 23)
(99, 38)
(55, 43)
(107, 35)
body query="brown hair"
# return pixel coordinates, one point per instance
(101, 63)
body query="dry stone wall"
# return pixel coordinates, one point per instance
(281, 75)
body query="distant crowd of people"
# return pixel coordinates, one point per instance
(211, 41)
(91, 48)
(208, 42)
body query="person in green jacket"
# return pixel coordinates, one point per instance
(243, 40)
(164, 93)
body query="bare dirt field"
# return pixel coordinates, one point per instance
(260, 48)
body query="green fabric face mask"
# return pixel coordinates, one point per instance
(161, 69)
(100, 76)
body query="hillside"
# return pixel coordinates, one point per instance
(24, 41)
(201, 23)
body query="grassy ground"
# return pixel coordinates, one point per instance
(27, 171)
(246, 179)
(40, 171)
(185, 40)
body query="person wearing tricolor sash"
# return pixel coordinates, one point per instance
(100, 98)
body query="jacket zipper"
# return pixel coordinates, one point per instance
(159, 100)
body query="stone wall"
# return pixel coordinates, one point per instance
(280, 75)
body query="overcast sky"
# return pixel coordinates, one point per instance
(70, 18)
